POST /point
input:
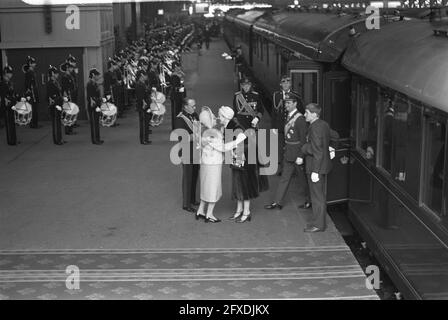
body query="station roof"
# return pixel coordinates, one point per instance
(319, 36)
(405, 56)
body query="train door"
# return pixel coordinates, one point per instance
(336, 111)
(306, 79)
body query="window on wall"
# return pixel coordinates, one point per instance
(401, 141)
(368, 121)
(434, 185)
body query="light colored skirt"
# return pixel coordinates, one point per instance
(211, 185)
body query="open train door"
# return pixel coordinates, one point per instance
(337, 111)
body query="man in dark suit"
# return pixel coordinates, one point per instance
(55, 102)
(318, 164)
(295, 138)
(142, 96)
(186, 120)
(31, 89)
(94, 104)
(279, 114)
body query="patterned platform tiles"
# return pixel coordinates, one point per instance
(263, 273)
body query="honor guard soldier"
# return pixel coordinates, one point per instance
(94, 103)
(8, 99)
(68, 87)
(295, 130)
(74, 98)
(55, 102)
(29, 68)
(186, 120)
(142, 96)
(110, 83)
(279, 113)
(247, 105)
(118, 89)
(178, 93)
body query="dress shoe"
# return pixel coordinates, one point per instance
(273, 205)
(146, 142)
(189, 209)
(99, 142)
(59, 143)
(244, 218)
(236, 216)
(200, 216)
(313, 229)
(212, 220)
(306, 205)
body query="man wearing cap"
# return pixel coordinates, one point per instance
(279, 113)
(55, 101)
(74, 73)
(68, 88)
(142, 97)
(31, 89)
(190, 171)
(318, 164)
(94, 103)
(295, 129)
(247, 105)
(110, 84)
(8, 99)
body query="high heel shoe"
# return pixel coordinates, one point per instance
(236, 215)
(212, 220)
(244, 218)
(199, 216)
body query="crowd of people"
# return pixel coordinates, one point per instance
(144, 72)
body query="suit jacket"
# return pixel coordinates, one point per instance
(295, 136)
(253, 99)
(316, 149)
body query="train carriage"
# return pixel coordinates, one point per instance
(385, 92)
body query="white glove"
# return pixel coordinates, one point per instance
(255, 122)
(13, 108)
(59, 108)
(148, 110)
(181, 89)
(65, 99)
(332, 152)
(154, 89)
(108, 97)
(314, 177)
(23, 99)
(98, 109)
(370, 153)
(275, 131)
(104, 99)
(299, 161)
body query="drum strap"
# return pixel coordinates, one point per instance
(292, 121)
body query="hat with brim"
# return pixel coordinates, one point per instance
(245, 80)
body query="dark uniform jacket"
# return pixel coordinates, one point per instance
(67, 85)
(153, 80)
(247, 106)
(279, 113)
(7, 92)
(93, 94)
(295, 136)
(142, 95)
(31, 86)
(54, 93)
(316, 149)
(185, 121)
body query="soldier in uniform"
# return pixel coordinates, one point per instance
(295, 130)
(142, 96)
(153, 76)
(29, 68)
(178, 93)
(185, 120)
(247, 105)
(8, 99)
(94, 103)
(55, 101)
(68, 88)
(74, 73)
(279, 113)
(111, 83)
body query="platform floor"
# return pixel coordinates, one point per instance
(122, 201)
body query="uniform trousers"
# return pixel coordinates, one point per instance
(318, 193)
(144, 118)
(94, 125)
(289, 167)
(56, 125)
(190, 174)
(10, 123)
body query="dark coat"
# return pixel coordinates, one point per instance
(295, 137)
(316, 149)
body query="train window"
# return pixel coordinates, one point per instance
(368, 120)
(401, 141)
(305, 83)
(435, 164)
